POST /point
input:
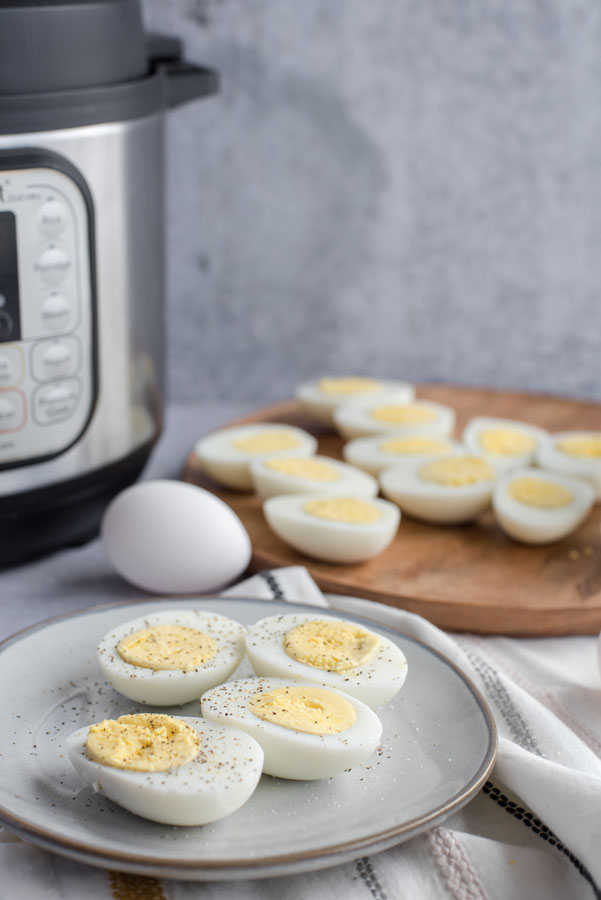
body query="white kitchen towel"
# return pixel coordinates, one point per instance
(533, 832)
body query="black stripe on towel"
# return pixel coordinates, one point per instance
(529, 820)
(365, 869)
(272, 583)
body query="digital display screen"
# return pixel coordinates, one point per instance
(10, 326)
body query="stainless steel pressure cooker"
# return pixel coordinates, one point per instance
(83, 94)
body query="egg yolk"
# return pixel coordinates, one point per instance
(403, 414)
(348, 385)
(304, 468)
(343, 509)
(506, 442)
(167, 647)
(586, 447)
(457, 471)
(267, 442)
(540, 493)
(415, 445)
(143, 742)
(313, 710)
(333, 646)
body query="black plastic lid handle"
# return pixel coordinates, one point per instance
(184, 82)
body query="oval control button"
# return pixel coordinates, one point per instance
(52, 218)
(55, 357)
(56, 312)
(53, 265)
(11, 410)
(55, 402)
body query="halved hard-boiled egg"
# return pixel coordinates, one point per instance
(331, 652)
(386, 416)
(381, 451)
(344, 529)
(575, 453)
(321, 396)
(172, 656)
(313, 474)
(306, 731)
(448, 489)
(506, 443)
(226, 454)
(179, 771)
(537, 507)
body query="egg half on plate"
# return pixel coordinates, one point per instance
(448, 489)
(306, 732)
(345, 529)
(171, 657)
(178, 771)
(380, 417)
(226, 454)
(321, 396)
(331, 652)
(575, 453)
(315, 474)
(538, 507)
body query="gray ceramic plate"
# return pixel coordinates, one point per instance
(438, 747)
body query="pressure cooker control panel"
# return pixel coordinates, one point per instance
(47, 307)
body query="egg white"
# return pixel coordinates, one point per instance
(354, 420)
(288, 753)
(375, 682)
(321, 404)
(532, 525)
(550, 456)
(431, 502)
(502, 462)
(230, 466)
(167, 687)
(339, 542)
(269, 483)
(366, 452)
(215, 783)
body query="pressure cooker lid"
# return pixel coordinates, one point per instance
(69, 63)
(53, 45)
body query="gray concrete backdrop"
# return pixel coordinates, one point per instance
(400, 187)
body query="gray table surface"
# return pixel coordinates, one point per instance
(78, 577)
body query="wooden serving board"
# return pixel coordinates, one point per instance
(462, 578)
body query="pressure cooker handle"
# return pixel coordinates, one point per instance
(182, 81)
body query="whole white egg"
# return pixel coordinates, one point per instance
(169, 537)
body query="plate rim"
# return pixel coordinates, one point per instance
(259, 866)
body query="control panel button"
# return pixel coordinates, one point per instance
(55, 358)
(56, 402)
(52, 218)
(57, 312)
(11, 366)
(53, 265)
(12, 410)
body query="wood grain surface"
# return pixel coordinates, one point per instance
(462, 578)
